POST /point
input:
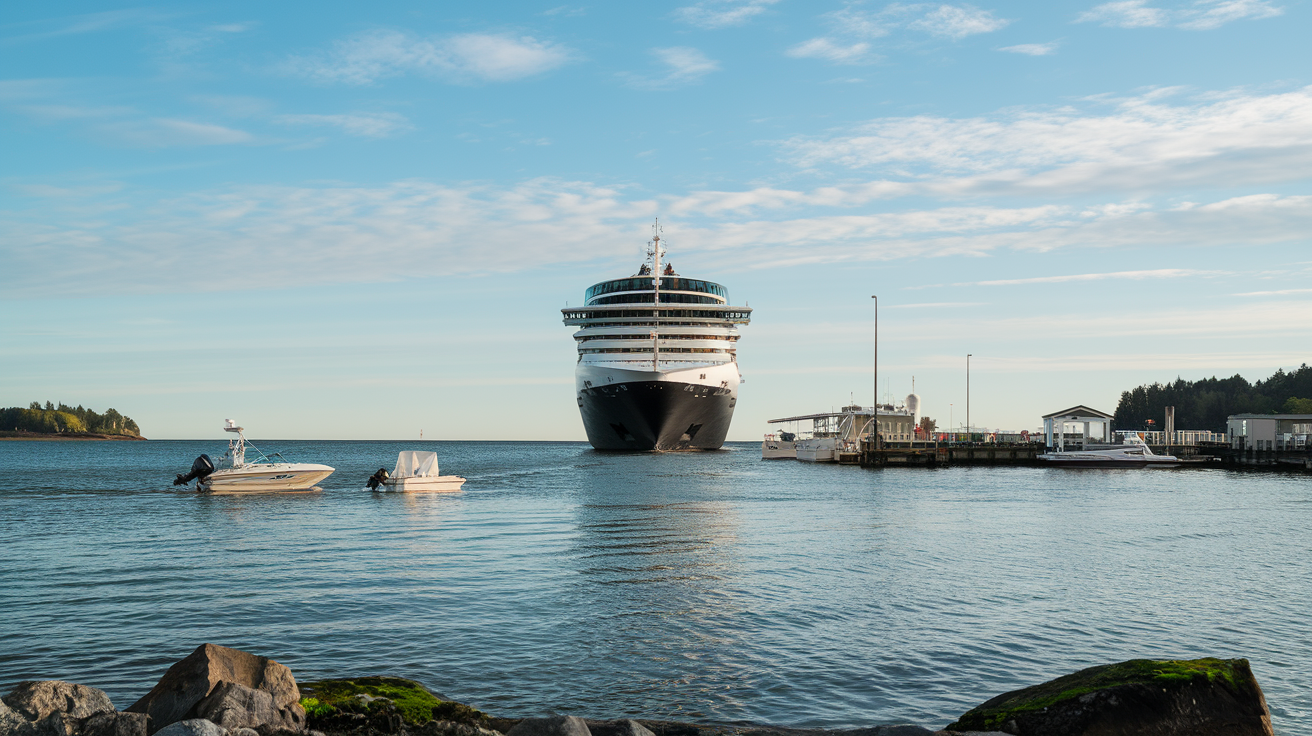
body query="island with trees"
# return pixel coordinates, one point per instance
(61, 421)
(1206, 403)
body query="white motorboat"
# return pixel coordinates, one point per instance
(415, 471)
(779, 446)
(1134, 454)
(267, 474)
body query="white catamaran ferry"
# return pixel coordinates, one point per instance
(658, 366)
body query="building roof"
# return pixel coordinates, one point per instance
(1079, 410)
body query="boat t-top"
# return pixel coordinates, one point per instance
(266, 474)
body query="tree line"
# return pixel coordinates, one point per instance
(62, 418)
(1205, 404)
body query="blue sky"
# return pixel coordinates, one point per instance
(336, 220)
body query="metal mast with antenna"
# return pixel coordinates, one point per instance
(656, 282)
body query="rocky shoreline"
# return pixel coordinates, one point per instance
(217, 691)
(21, 434)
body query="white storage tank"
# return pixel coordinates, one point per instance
(913, 406)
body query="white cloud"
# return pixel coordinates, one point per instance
(722, 13)
(1200, 15)
(824, 48)
(1032, 49)
(852, 27)
(370, 57)
(957, 22)
(367, 125)
(170, 132)
(682, 65)
(359, 234)
(1125, 14)
(1278, 292)
(1157, 273)
(1208, 15)
(1143, 143)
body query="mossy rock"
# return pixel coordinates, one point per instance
(1137, 691)
(415, 703)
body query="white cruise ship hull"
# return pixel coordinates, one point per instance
(677, 408)
(265, 478)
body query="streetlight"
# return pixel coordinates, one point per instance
(950, 427)
(968, 393)
(876, 386)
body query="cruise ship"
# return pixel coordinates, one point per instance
(658, 366)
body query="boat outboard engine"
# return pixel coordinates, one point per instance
(199, 469)
(787, 436)
(377, 479)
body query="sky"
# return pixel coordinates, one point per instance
(355, 221)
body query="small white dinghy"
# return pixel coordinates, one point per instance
(415, 471)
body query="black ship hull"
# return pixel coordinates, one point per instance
(656, 415)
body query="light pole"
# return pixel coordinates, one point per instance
(876, 386)
(968, 393)
(951, 429)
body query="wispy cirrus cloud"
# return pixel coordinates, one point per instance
(852, 28)
(1144, 142)
(468, 57)
(1198, 16)
(713, 14)
(366, 125)
(680, 65)
(957, 21)
(1032, 49)
(356, 234)
(830, 50)
(1156, 273)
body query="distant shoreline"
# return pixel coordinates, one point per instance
(25, 435)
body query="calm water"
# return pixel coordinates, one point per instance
(702, 587)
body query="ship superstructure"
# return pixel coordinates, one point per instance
(658, 363)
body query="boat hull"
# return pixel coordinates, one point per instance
(261, 478)
(1093, 463)
(434, 484)
(778, 450)
(664, 411)
(817, 450)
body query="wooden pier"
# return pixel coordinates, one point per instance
(941, 454)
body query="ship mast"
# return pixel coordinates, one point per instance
(656, 296)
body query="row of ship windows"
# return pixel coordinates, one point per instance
(591, 351)
(666, 298)
(684, 313)
(585, 338)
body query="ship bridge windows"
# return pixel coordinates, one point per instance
(644, 297)
(644, 283)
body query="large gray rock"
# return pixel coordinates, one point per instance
(552, 726)
(1198, 697)
(12, 723)
(236, 706)
(114, 724)
(193, 727)
(39, 699)
(623, 727)
(452, 728)
(192, 679)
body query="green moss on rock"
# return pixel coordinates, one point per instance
(1233, 674)
(415, 703)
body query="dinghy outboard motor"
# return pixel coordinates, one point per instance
(377, 479)
(199, 469)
